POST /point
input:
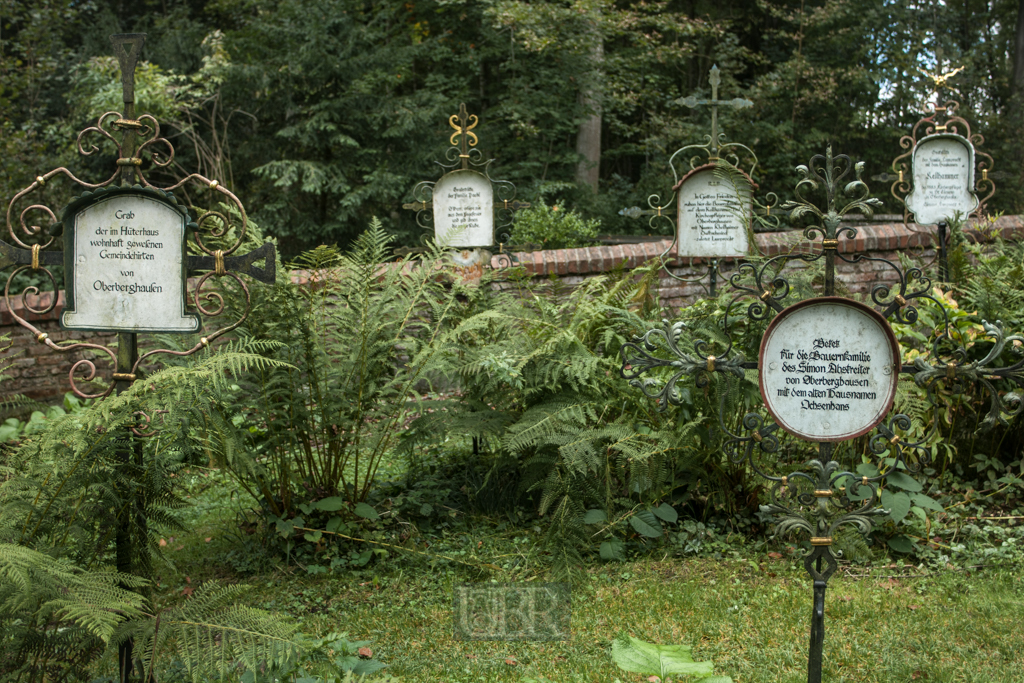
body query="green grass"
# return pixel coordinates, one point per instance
(750, 616)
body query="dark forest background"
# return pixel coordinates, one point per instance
(320, 114)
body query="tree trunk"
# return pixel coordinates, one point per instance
(1017, 84)
(588, 139)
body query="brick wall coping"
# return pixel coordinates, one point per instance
(880, 237)
(592, 260)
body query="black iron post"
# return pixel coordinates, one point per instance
(817, 646)
(127, 49)
(943, 254)
(714, 276)
(817, 631)
(127, 354)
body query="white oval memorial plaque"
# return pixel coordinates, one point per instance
(829, 368)
(464, 205)
(714, 214)
(124, 265)
(943, 172)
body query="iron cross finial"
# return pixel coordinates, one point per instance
(127, 48)
(691, 101)
(463, 123)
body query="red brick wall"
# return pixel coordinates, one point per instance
(880, 241)
(42, 373)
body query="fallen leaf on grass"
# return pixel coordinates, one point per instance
(913, 607)
(187, 591)
(775, 556)
(364, 652)
(209, 538)
(511, 661)
(162, 543)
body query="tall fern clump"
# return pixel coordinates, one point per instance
(540, 377)
(362, 338)
(66, 599)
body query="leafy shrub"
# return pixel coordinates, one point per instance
(553, 228)
(13, 428)
(540, 383)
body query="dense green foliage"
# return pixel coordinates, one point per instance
(554, 228)
(323, 114)
(72, 589)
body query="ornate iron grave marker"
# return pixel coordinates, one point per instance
(827, 370)
(941, 182)
(466, 208)
(714, 198)
(125, 257)
(126, 264)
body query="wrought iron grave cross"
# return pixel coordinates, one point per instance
(714, 198)
(692, 102)
(461, 207)
(109, 241)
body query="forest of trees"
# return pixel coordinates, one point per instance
(320, 114)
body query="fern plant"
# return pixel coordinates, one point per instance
(63, 607)
(538, 370)
(362, 338)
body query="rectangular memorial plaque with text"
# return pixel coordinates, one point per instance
(943, 172)
(714, 213)
(463, 204)
(125, 269)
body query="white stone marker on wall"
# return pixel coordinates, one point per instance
(463, 206)
(829, 368)
(714, 214)
(942, 167)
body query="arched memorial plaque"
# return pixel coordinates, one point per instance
(463, 204)
(942, 168)
(714, 212)
(829, 369)
(125, 262)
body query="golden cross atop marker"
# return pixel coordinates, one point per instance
(463, 123)
(692, 102)
(941, 81)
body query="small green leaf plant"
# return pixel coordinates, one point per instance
(634, 655)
